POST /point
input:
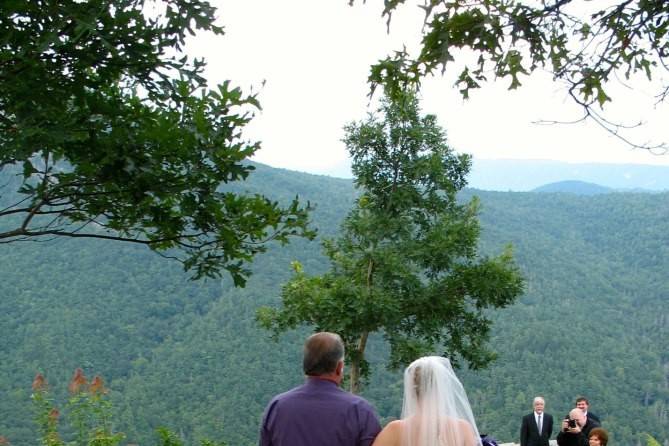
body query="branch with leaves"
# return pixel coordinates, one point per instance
(585, 45)
(108, 131)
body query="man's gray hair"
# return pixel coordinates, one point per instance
(322, 353)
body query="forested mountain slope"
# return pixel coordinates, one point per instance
(189, 355)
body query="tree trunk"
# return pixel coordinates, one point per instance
(354, 375)
(362, 342)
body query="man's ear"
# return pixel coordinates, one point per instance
(340, 368)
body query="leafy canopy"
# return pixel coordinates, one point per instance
(406, 263)
(585, 45)
(111, 132)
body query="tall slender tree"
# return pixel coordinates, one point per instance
(406, 262)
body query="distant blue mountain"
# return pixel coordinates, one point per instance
(527, 175)
(574, 187)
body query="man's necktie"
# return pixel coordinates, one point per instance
(539, 424)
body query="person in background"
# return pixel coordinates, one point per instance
(537, 427)
(319, 412)
(573, 432)
(583, 404)
(598, 437)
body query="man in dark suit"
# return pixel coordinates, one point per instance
(537, 427)
(583, 404)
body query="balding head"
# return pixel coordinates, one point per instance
(322, 353)
(578, 415)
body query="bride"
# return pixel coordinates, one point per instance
(435, 412)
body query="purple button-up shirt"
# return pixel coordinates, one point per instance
(318, 413)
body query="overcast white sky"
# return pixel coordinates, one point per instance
(314, 57)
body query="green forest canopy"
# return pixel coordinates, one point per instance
(189, 355)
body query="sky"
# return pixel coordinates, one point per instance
(309, 60)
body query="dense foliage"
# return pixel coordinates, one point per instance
(112, 132)
(189, 356)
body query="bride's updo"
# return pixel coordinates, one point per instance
(422, 373)
(436, 406)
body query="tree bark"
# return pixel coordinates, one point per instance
(354, 375)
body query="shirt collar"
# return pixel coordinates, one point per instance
(317, 380)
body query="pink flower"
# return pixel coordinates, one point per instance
(97, 386)
(54, 414)
(39, 383)
(78, 380)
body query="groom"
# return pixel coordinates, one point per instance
(319, 412)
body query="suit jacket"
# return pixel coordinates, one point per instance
(592, 416)
(590, 424)
(529, 432)
(571, 439)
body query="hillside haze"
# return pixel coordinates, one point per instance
(189, 355)
(574, 187)
(525, 175)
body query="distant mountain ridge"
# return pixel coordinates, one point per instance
(527, 175)
(520, 175)
(574, 187)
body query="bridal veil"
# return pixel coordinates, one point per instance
(436, 411)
